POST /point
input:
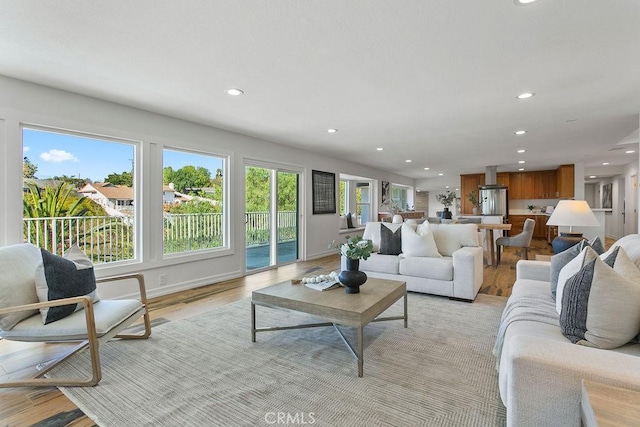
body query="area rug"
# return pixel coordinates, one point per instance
(205, 370)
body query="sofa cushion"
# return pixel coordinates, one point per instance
(390, 241)
(17, 282)
(631, 245)
(558, 261)
(439, 268)
(451, 237)
(572, 267)
(372, 232)
(419, 242)
(601, 304)
(381, 263)
(64, 277)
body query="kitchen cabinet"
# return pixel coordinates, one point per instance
(515, 186)
(502, 178)
(545, 184)
(469, 183)
(565, 181)
(528, 185)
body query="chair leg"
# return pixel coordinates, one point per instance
(498, 249)
(525, 253)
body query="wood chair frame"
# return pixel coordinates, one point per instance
(92, 341)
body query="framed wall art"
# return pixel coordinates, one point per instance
(607, 196)
(324, 192)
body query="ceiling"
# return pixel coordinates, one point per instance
(434, 82)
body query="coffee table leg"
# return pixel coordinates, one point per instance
(406, 315)
(360, 352)
(253, 322)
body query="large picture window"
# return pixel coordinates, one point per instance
(79, 189)
(193, 201)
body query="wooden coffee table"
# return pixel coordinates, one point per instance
(336, 306)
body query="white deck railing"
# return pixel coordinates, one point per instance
(109, 238)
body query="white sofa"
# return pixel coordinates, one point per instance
(458, 273)
(540, 370)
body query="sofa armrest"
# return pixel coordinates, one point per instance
(468, 272)
(544, 381)
(533, 270)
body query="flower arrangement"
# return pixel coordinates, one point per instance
(446, 199)
(531, 208)
(355, 248)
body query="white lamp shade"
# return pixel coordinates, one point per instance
(573, 213)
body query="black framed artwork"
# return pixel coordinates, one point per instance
(324, 192)
(607, 196)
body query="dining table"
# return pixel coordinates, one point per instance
(489, 230)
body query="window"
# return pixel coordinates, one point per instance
(193, 201)
(363, 202)
(399, 196)
(79, 189)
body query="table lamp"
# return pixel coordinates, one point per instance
(571, 213)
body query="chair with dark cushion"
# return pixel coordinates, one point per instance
(521, 240)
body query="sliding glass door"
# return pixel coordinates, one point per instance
(271, 217)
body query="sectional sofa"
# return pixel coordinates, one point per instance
(541, 369)
(440, 259)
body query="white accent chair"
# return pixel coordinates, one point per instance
(95, 324)
(520, 240)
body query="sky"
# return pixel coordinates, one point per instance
(58, 154)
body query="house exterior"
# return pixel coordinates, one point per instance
(107, 195)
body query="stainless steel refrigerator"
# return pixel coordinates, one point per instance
(494, 200)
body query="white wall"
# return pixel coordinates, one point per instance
(26, 103)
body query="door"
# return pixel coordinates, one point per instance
(271, 217)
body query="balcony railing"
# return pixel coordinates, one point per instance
(108, 239)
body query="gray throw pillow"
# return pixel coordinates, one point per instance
(64, 277)
(601, 305)
(597, 245)
(390, 241)
(558, 261)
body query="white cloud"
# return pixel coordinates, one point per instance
(58, 156)
(25, 149)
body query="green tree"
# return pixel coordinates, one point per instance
(187, 178)
(124, 178)
(257, 189)
(194, 206)
(58, 201)
(28, 169)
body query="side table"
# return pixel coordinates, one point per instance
(604, 405)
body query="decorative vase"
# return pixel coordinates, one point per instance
(474, 210)
(446, 214)
(352, 277)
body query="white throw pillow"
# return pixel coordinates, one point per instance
(601, 304)
(451, 237)
(418, 243)
(18, 285)
(572, 267)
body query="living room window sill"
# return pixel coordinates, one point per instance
(350, 230)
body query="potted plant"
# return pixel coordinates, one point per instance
(530, 207)
(473, 199)
(447, 200)
(355, 249)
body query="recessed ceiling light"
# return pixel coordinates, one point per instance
(605, 163)
(521, 169)
(235, 91)
(440, 174)
(525, 95)
(379, 148)
(521, 151)
(332, 130)
(592, 176)
(408, 161)
(446, 187)
(457, 189)
(426, 169)
(630, 151)
(520, 132)
(522, 2)
(521, 162)
(417, 191)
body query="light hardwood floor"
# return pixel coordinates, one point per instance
(49, 407)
